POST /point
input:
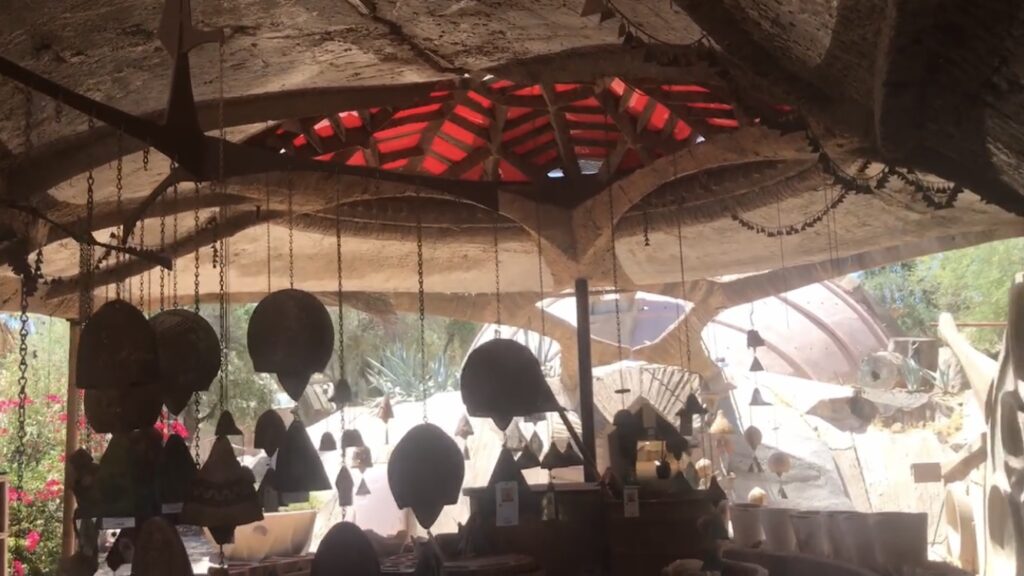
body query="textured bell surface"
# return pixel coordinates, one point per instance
(385, 412)
(553, 458)
(299, 468)
(119, 411)
(502, 377)
(756, 366)
(536, 445)
(756, 399)
(222, 493)
(342, 393)
(117, 349)
(269, 497)
(527, 459)
(351, 438)
(226, 425)
(754, 339)
(753, 436)
(327, 443)
(269, 432)
(506, 470)
(464, 429)
(693, 405)
(345, 550)
(159, 550)
(514, 438)
(425, 472)
(189, 355)
(175, 470)
(345, 486)
(290, 334)
(118, 493)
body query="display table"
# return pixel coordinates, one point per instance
(293, 566)
(502, 565)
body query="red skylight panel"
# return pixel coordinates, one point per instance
(433, 165)
(543, 138)
(684, 88)
(461, 134)
(401, 143)
(417, 110)
(473, 116)
(485, 102)
(350, 119)
(323, 129)
(447, 150)
(399, 131)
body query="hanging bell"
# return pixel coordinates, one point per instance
(715, 494)
(662, 469)
(502, 377)
(464, 429)
(222, 495)
(344, 484)
(121, 410)
(514, 438)
(299, 468)
(553, 459)
(502, 422)
(117, 349)
(685, 422)
(536, 445)
(506, 470)
(118, 493)
(362, 459)
(680, 484)
(428, 560)
(364, 488)
(693, 406)
(721, 426)
(385, 412)
(269, 433)
(527, 459)
(426, 472)
(226, 425)
(346, 550)
(677, 445)
(753, 437)
(351, 438)
(756, 366)
(122, 551)
(342, 393)
(269, 497)
(290, 334)
(757, 400)
(570, 457)
(754, 339)
(85, 482)
(175, 472)
(549, 505)
(779, 463)
(159, 550)
(327, 443)
(189, 355)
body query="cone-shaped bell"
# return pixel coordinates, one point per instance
(677, 445)
(465, 450)
(685, 422)
(121, 410)
(175, 471)
(362, 458)
(506, 470)
(351, 438)
(299, 468)
(222, 494)
(691, 474)
(527, 459)
(502, 422)
(159, 550)
(364, 489)
(754, 339)
(269, 433)
(756, 366)
(782, 493)
(715, 492)
(117, 349)
(693, 405)
(269, 497)
(753, 437)
(344, 484)
(346, 550)
(502, 377)
(342, 393)
(290, 334)
(464, 429)
(628, 423)
(536, 445)
(226, 425)
(118, 493)
(680, 485)
(327, 443)
(122, 550)
(571, 457)
(756, 399)
(426, 472)
(553, 459)
(514, 438)
(385, 412)
(189, 355)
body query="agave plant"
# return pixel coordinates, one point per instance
(397, 374)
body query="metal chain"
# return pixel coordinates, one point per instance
(174, 242)
(686, 301)
(225, 322)
(615, 287)
(145, 159)
(422, 304)
(540, 277)
(142, 245)
(20, 454)
(87, 252)
(291, 239)
(267, 216)
(197, 398)
(341, 285)
(647, 230)
(497, 280)
(195, 261)
(163, 245)
(119, 187)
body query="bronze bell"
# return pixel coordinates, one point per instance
(346, 550)
(122, 551)
(118, 493)
(502, 377)
(364, 488)
(553, 458)
(222, 495)
(385, 412)
(119, 411)
(175, 471)
(327, 443)
(502, 422)
(269, 497)
(298, 467)
(571, 456)
(159, 550)
(754, 339)
(117, 349)
(351, 438)
(755, 365)
(344, 484)
(85, 482)
(342, 393)
(527, 459)
(189, 355)
(226, 425)
(426, 472)
(269, 433)
(506, 470)
(715, 492)
(677, 445)
(693, 405)
(290, 334)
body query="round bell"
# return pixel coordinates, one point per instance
(779, 463)
(704, 468)
(299, 468)
(345, 550)
(175, 471)
(362, 459)
(269, 433)
(502, 377)
(290, 334)
(327, 443)
(753, 437)
(226, 425)
(426, 472)
(351, 438)
(117, 349)
(342, 393)
(121, 410)
(159, 550)
(189, 355)
(222, 495)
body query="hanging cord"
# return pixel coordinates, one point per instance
(225, 314)
(497, 279)
(540, 281)
(341, 300)
(163, 245)
(647, 230)
(267, 216)
(19, 452)
(686, 301)
(174, 242)
(422, 304)
(119, 187)
(291, 237)
(195, 254)
(142, 286)
(615, 286)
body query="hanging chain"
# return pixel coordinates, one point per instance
(225, 321)
(647, 230)
(145, 159)
(497, 280)
(174, 242)
(686, 301)
(87, 253)
(195, 255)
(267, 216)
(142, 245)
(291, 238)
(341, 286)
(20, 454)
(119, 187)
(540, 279)
(422, 304)
(163, 245)
(615, 287)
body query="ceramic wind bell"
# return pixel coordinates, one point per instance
(298, 469)
(222, 495)
(753, 436)
(189, 356)
(291, 335)
(425, 472)
(346, 550)
(779, 463)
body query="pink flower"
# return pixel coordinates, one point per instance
(178, 428)
(54, 399)
(18, 567)
(32, 541)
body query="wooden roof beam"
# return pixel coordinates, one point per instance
(570, 164)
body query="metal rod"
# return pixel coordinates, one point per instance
(70, 441)
(586, 377)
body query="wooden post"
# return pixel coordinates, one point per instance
(586, 377)
(70, 440)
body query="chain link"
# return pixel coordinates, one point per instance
(142, 245)
(145, 159)
(119, 187)
(195, 262)
(174, 242)
(686, 300)
(87, 253)
(291, 238)
(497, 279)
(615, 286)
(197, 398)
(163, 246)
(647, 230)
(422, 304)
(341, 285)
(20, 453)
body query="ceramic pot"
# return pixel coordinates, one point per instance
(778, 531)
(746, 525)
(901, 539)
(858, 531)
(809, 533)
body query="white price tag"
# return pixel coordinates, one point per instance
(118, 523)
(172, 508)
(631, 501)
(506, 494)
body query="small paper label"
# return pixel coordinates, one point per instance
(118, 523)
(507, 496)
(172, 508)
(631, 501)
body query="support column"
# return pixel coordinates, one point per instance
(70, 440)
(586, 375)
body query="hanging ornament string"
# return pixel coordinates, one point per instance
(615, 286)
(341, 297)
(225, 316)
(163, 246)
(497, 279)
(267, 216)
(174, 242)
(119, 187)
(195, 255)
(19, 451)
(647, 230)
(142, 245)
(291, 237)
(422, 304)
(782, 259)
